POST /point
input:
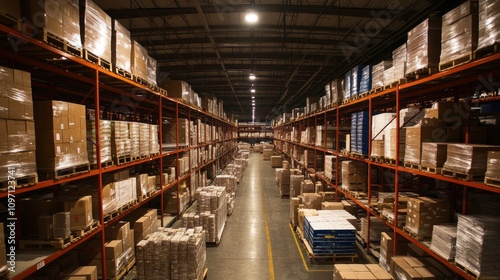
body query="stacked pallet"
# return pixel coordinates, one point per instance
(172, 254)
(423, 213)
(477, 245)
(359, 133)
(330, 233)
(444, 239)
(359, 271)
(467, 161)
(354, 175)
(105, 136)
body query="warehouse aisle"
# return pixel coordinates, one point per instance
(257, 242)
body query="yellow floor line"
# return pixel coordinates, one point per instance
(268, 237)
(302, 255)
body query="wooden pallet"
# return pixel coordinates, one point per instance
(141, 81)
(455, 62)
(487, 51)
(58, 243)
(68, 171)
(495, 182)
(473, 274)
(18, 182)
(123, 73)
(337, 258)
(411, 165)
(390, 161)
(146, 196)
(462, 175)
(421, 73)
(363, 94)
(379, 159)
(59, 43)
(413, 234)
(103, 63)
(358, 194)
(88, 229)
(104, 164)
(430, 169)
(123, 160)
(376, 90)
(10, 21)
(162, 91)
(401, 81)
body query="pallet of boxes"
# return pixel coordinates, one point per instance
(17, 130)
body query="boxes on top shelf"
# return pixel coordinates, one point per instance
(365, 83)
(121, 47)
(96, 30)
(178, 89)
(139, 61)
(151, 70)
(398, 64)
(337, 93)
(489, 23)
(424, 45)
(460, 32)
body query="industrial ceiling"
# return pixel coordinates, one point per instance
(294, 49)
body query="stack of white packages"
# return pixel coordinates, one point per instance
(135, 139)
(330, 166)
(154, 141)
(211, 212)
(376, 228)
(478, 245)
(144, 139)
(444, 239)
(172, 254)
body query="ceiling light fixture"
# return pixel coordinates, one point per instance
(253, 97)
(252, 76)
(251, 17)
(252, 90)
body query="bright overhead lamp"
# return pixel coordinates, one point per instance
(252, 90)
(253, 97)
(251, 17)
(252, 76)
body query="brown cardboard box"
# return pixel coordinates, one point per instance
(142, 225)
(45, 227)
(332, 205)
(113, 249)
(294, 208)
(89, 272)
(426, 204)
(62, 224)
(75, 278)
(80, 209)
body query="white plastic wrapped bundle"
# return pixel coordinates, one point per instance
(489, 23)
(154, 147)
(382, 123)
(97, 30)
(433, 154)
(493, 165)
(423, 45)
(337, 87)
(468, 158)
(144, 139)
(122, 47)
(120, 139)
(478, 245)
(135, 142)
(398, 64)
(459, 37)
(378, 73)
(444, 238)
(151, 70)
(139, 61)
(354, 175)
(347, 85)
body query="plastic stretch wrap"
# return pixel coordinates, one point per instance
(139, 61)
(365, 83)
(377, 148)
(120, 139)
(398, 64)
(24, 164)
(381, 123)
(173, 253)
(359, 132)
(97, 25)
(489, 23)
(212, 207)
(433, 154)
(444, 238)
(330, 166)
(468, 158)
(135, 141)
(388, 75)
(478, 246)
(122, 47)
(493, 165)
(348, 85)
(376, 228)
(378, 73)
(104, 142)
(355, 80)
(337, 87)
(354, 175)
(154, 142)
(71, 22)
(151, 64)
(423, 45)
(460, 12)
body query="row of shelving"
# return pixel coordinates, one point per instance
(172, 169)
(396, 139)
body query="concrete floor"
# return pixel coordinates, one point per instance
(258, 242)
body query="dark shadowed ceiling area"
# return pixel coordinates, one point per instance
(294, 49)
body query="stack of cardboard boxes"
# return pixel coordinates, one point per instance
(121, 48)
(212, 209)
(120, 141)
(360, 271)
(62, 135)
(444, 239)
(387, 248)
(105, 147)
(423, 45)
(154, 141)
(354, 175)
(423, 213)
(96, 29)
(17, 129)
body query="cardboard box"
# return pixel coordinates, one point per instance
(80, 212)
(45, 227)
(332, 206)
(89, 272)
(113, 249)
(62, 224)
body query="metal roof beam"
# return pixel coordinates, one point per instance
(242, 8)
